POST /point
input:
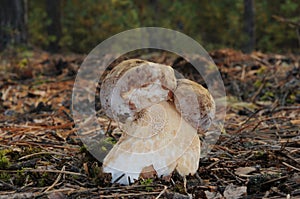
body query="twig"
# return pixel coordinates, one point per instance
(57, 180)
(8, 185)
(18, 195)
(42, 170)
(41, 153)
(281, 108)
(259, 89)
(22, 143)
(274, 189)
(71, 190)
(121, 188)
(32, 127)
(108, 127)
(218, 179)
(290, 166)
(212, 164)
(25, 186)
(236, 178)
(260, 60)
(274, 180)
(240, 131)
(162, 192)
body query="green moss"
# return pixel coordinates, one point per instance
(110, 140)
(291, 99)
(248, 144)
(147, 182)
(83, 149)
(31, 150)
(23, 63)
(43, 180)
(20, 177)
(257, 83)
(262, 70)
(267, 96)
(179, 188)
(75, 177)
(96, 173)
(4, 160)
(260, 155)
(5, 176)
(103, 148)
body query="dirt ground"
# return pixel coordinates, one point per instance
(256, 156)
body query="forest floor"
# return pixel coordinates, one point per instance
(256, 156)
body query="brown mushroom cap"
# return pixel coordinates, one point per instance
(195, 104)
(134, 85)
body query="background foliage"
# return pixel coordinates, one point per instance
(215, 24)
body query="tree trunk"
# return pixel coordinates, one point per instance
(13, 20)
(53, 9)
(249, 25)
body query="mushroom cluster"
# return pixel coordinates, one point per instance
(160, 117)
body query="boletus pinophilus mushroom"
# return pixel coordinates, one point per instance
(159, 116)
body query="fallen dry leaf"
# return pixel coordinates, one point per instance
(244, 171)
(234, 192)
(213, 195)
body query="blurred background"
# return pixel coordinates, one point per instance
(78, 26)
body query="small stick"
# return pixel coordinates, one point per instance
(259, 89)
(213, 164)
(290, 166)
(184, 184)
(56, 181)
(108, 127)
(274, 180)
(162, 192)
(41, 153)
(42, 170)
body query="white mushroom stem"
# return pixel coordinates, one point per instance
(167, 142)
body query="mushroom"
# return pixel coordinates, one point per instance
(159, 116)
(191, 97)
